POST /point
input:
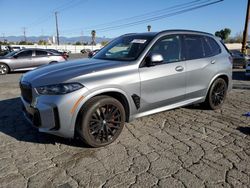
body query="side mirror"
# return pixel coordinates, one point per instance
(15, 56)
(154, 59)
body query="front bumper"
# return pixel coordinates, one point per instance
(53, 114)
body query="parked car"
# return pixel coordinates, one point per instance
(248, 70)
(239, 59)
(64, 51)
(92, 53)
(64, 54)
(16, 48)
(133, 76)
(28, 59)
(85, 51)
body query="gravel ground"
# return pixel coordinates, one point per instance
(185, 147)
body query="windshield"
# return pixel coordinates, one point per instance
(10, 54)
(124, 48)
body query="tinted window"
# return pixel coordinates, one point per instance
(193, 47)
(214, 46)
(206, 47)
(27, 53)
(169, 47)
(41, 53)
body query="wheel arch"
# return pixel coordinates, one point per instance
(223, 76)
(115, 93)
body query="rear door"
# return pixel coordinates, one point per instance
(41, 58)
(164, 84)
(200, 54)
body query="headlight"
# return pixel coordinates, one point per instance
(58, 89)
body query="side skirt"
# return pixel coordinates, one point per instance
(169, 107)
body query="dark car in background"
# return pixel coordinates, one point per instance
(92, 53)
(85, 51)
(64, 53)
(28, 59)
(239, 59)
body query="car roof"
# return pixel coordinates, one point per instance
(171, 31)
(33, 49)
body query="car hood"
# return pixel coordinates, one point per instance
(64, 71)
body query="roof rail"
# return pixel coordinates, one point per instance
(184, 30)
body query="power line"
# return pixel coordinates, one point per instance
(61, 8)
(183, 9)
(145, 15)
(157, 17)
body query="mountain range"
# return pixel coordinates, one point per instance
(63, 40)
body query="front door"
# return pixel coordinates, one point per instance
(22, 60)
(164, 84)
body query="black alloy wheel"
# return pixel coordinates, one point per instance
(102, 122)
(217, 94)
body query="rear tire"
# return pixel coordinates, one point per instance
(53, 62)
(102, 121)
(4, 69)
(216, 95)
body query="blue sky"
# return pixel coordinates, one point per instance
(76, 16)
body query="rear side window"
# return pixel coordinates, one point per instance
(41, 53)
(198, 46)
(213, 45)
(193, 47)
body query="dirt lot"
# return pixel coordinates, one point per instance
(186, 147)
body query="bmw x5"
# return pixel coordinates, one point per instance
(135, 75)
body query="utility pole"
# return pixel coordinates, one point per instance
(245, 33)
(24, 34)
(57, 32)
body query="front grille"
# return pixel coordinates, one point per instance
(26, 92)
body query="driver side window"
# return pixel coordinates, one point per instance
(25, 54)
(169, 47)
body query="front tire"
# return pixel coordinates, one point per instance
(217, 94)
(103, 119)
(4, 69)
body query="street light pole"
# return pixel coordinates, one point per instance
(245, 33)
(24, 34)
(57, 32)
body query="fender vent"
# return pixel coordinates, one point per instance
(136, 100)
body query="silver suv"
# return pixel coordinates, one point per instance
(133, 76)
(28, 59)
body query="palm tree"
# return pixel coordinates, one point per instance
(149, 28)
(93, 34)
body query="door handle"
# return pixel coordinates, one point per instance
(213, 62)
(179, 68)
